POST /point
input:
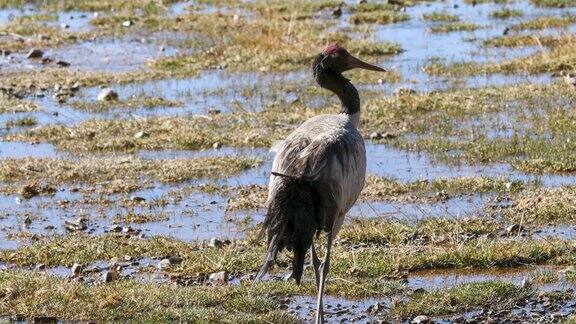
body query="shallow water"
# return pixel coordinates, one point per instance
(460, 207)
(441, 279)
(420, 45)
(112, 55)
(336, 310)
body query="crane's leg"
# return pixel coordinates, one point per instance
(316, 265)
(323, 272)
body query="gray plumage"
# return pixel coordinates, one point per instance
(325, 158)
(317, 174)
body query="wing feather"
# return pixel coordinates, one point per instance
(332, 159)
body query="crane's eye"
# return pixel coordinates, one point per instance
(335, 54)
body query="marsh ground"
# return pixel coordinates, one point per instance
(146, 208)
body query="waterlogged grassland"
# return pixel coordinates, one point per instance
(386, 189)
(542, 146)
(11, 104)
(373, 248)
(557, 57)
(131, 103)
(529, 127)
(365, 251)
(117, 173)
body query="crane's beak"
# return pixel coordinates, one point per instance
(353, 62)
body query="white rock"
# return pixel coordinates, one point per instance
(107, 94)
(219, 277)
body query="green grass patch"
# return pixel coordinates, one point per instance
(505, 13)
(544, 206)
(554, 3)
(21, 122)
(35, 295)
(440, 16)
(454, 27)
(545, 22)
(462, 298)
(132, 103)
(116, 173)
(378, 17)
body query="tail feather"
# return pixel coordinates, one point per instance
(291, 222)
(268, 260)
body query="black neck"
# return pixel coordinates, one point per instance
(335, 82)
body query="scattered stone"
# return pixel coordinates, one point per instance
(78, 224)
(109, 276)
(115, 228)
(76, 269)
(34, 54)
(219, 277)
(75, 87)
(442, 195)
(375, 136)
(27, 221)
(62, 63)
(514, 229)
(420, 319)
(130, 230)
(216, 243)
(526, 283)
(141, 134)
(107, 94)
(175, 259)
(404, 91)
(338, 11)
(44, 320)
(29, 190)
(47, 60)
(376, 308)
(137, 199)
(388, 135)
(570, 79)
(164, 264)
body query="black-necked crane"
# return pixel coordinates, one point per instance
(317, 174)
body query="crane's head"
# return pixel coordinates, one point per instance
(337, 58)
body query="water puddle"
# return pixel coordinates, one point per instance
(112, 55)
(420, 45)
(193, 216)
(562, 232)
(411, 166)
(336, 310)
(74, 21)
(18, 150)
(460, 207)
